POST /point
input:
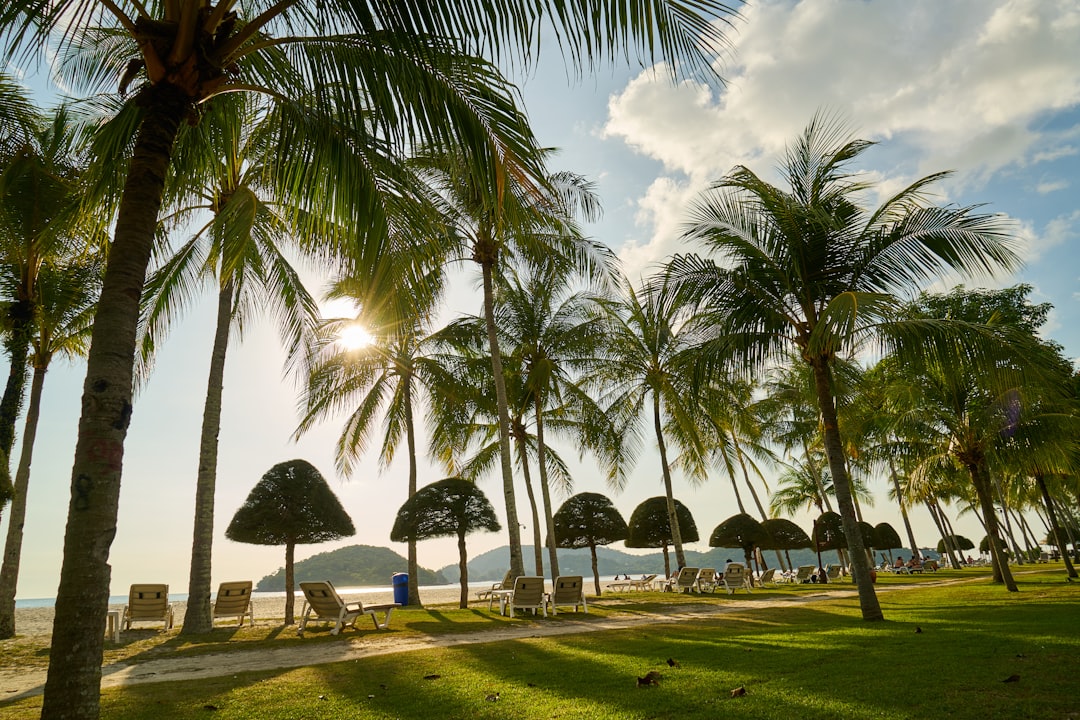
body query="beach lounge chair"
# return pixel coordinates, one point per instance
(736, 576)
(645, 583)
(684, 580)
(804, 573)
(489, 593)
(528, 594)
(234, 601)
(833, 573)
(706, 580)
(567, 591)
(323, 601)
(148, 603)
(768, 577)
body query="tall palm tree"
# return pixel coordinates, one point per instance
(807, 268)
(533, 224)
(185, 53)
(647, 372)
(65, 296)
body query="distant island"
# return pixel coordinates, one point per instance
(352, 566)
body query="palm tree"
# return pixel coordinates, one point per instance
(65, 296)
(807, 268)
(645, 360)
(398, 75)
(533, 224)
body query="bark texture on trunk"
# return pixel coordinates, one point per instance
(595, 570)
(9, 573)
(290, 584)
(545, 493)
(669, 494)
(197, 618)
(82, 598)
(538, 545)
(410, 440)
(1051, 514)
(1002, 574)
(463, 568)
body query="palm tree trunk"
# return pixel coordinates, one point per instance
(754, 495)
(834, 451)
(463, 569)
(1018, 552)
(983, 491)
(82, 599)
(20, 315)
(673, 518)
(290, 584)
(197, 618)
(1043, 490)
(538, 547)
(513, 529)
(545, 491)
(9, 574)
(903, 507)
(812, 466)
(595, 569)
(413, 565)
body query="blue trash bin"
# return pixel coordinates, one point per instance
(401, 588)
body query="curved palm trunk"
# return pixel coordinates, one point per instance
(197, 618)
(834, 451)
(463, 568)
(513, 528)
(1050, 513)
(995, 484)
(9, 574)
(983, 491)
(812, 466)
(673, 518)
(538, 548)
(290, 584)
(82, 599)
(20, 315)
(545, 492)
(903, 508)
(413, 565)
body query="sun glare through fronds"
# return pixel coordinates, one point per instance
(354, 337)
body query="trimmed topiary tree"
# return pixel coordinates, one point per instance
(587, 520)
(448, 507)
(650, 527)
(739, 531)
(887, 538)
(290, 506)
(783, 534)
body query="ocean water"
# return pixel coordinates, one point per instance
(369, 590)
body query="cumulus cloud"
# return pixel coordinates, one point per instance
(960, 85)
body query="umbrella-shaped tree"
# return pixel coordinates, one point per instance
(650, 526)
(782, 534)
(886, 538)
(828, 534)
(738, 531)
(292, 505)
(587, 520)
(448, 507)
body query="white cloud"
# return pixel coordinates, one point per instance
(1047, 187)
(960, 85)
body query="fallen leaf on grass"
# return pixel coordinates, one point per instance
(739, 691)
(651, 678)
(492, 697)
(1012, 678)
(672, 663)
(435, 676)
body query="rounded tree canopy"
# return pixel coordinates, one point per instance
(738, 531)
(828, 532)
(1052, 539)
(448, 507)
(886, 537)
(959, 541)
(782, 534)
(984, 545)
(588, 519)
(649, 526)
(292, 504)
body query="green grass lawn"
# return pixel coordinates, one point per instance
(944, 651)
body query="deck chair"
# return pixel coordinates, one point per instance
(323, 601)
(768, 577)
(804, 573)
(833, 573)
(706, 580)
(568, 590)
(148, 603)
(684, 581)
(489, 593)
(234, 601)
(645, 583)
(528, 595)
(736, 576)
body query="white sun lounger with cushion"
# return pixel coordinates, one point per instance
(150, 603)
(684, 581)
(567, 591)
(736, 576)
(234, 601)
(322, 602)
(706, 580)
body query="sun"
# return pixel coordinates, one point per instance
(354, 337)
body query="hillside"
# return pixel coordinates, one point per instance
(492, 565)
(352, 566)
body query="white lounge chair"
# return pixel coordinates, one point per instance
(234, 601)
(528, 594)
(148, 603)
(683, 581)
(768, 577)
(735, 576)
(323, 601)
(567, 591)
(706, 580)
(489, 593)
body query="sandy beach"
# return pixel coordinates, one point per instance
(268, 610)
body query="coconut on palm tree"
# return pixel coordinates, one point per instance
(807, 268)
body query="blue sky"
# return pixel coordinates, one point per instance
(988, 89)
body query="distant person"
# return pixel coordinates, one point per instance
(899, 562)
